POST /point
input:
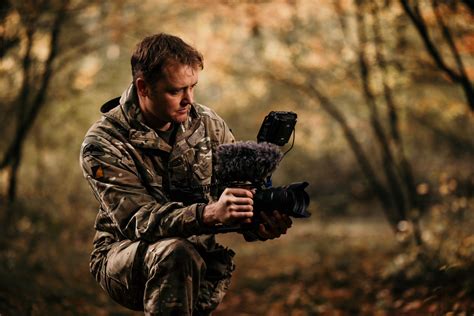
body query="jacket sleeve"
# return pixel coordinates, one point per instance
(126, 203)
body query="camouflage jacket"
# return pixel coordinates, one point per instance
(147, 189)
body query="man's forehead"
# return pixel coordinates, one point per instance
(175, 68)
(179, 75)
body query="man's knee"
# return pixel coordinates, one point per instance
(174, 254)
(118, 277)
(173, 272)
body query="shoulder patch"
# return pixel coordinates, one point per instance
(97, 172)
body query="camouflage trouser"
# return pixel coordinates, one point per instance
(169, 277)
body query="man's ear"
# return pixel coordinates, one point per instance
(142, 87)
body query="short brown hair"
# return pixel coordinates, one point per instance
(154, 52)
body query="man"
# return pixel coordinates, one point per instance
(149, 164)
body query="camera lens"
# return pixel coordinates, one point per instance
(292, 200)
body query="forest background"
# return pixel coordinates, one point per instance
(384, 96)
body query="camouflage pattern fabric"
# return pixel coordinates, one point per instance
(149, 225)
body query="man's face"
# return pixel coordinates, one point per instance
(170, 98)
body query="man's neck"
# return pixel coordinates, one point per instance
(169, 135)
(160, 126)
(168, 128)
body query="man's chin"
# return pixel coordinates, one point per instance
(180, 118)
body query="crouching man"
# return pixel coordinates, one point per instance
(148, 161)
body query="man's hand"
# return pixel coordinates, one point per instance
(235, 206)
(275, 225)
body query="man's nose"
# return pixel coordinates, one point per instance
(188, 97)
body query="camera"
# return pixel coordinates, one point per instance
(250, 165)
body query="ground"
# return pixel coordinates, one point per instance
(321, 267)
(338, 267)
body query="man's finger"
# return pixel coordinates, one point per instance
(272, 226)
(263, 233)
(287, 220)
(280, 222)
(235, 208)
(242, 201)
(239, 192)
(241, 215)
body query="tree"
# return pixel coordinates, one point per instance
(35, 19)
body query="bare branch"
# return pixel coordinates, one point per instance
(420, 25)
(417, 19)
(464, 79)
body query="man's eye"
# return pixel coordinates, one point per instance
(174, 92)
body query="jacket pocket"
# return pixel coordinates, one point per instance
(178, 172)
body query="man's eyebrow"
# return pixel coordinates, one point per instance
(183, 87)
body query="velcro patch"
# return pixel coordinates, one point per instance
(97, 172)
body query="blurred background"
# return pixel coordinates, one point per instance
(384, 96)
